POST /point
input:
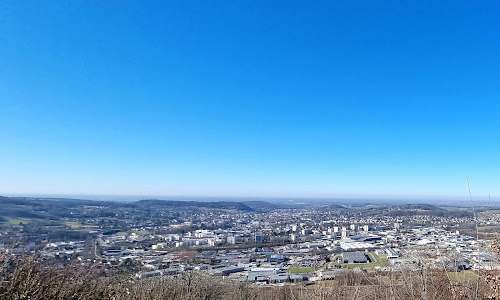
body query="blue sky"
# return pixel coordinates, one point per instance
(250, 98)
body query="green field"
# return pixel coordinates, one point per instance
(140, 232)
(16, 221)
(77, 225)
(294, 270)
(463, 275)
(73, 225)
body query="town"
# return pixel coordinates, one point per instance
(255, 242)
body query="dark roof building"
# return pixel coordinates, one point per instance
(354, 257)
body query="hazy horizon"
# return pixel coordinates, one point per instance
(448, 201)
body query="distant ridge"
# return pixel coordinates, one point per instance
(57, 208)
(331, 207)
(42, 207)
(214, 205)
(425, 209)
(266, 206)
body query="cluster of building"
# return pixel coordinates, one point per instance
(314, 255)
(283, 245)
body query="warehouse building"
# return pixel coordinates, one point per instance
(354, 257)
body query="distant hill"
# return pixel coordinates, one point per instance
(266, 206)
(57, 208)
(426, 209)
(54, 208)
(418, 206)
(331, 207)
(213, 205)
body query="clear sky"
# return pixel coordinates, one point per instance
(251, 98)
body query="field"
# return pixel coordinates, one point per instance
(489, 232)
(77, 225)
(73, 225)
(464, 275)
(294, 270)
(140, 232)
(17, 221)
